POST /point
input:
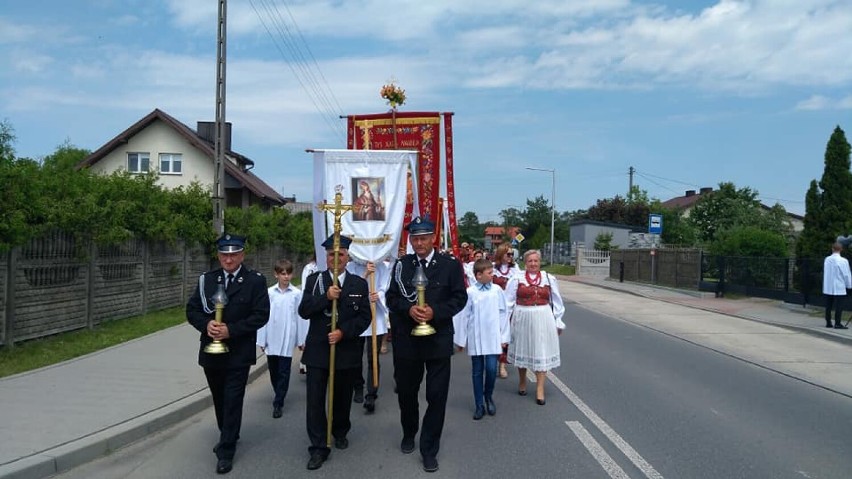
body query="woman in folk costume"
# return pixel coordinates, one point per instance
(537, 310)
(504, 269)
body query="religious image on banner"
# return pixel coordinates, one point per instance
(367, 204)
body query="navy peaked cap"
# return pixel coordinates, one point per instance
(420, 226)
(229, 243)
(345, 241)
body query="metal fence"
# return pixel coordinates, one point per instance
(59, 283)
(793, 280)
(678, 268)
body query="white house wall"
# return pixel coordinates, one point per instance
(160, 138)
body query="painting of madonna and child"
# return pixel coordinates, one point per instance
(368, 204)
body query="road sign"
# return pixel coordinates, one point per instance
(655, 224)
(519, 237)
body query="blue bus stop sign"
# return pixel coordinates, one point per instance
(655, 224)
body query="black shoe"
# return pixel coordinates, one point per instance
(341, 442)
(407, 445)
(522, 392)
(276, 412)
(829, 325)
(430, 463)
(540, 402)
(315, 462)
(358, 396)
(840, 326)
(370, 404)
(490, 407)
(480, 411)
(224, 466)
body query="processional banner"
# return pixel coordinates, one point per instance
(374, 184)
(419, 131)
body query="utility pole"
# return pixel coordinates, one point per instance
(630, 185)
(219, 160)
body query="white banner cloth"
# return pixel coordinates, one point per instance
(374, 183)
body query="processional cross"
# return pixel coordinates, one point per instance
(337, 209)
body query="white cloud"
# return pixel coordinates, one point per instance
(815, 102)
(12, 32)
(29, 62)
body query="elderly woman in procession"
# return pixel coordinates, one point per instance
(537, 310)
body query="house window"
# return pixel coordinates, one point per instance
(138, 162)
(170, 163)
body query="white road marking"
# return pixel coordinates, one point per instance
(595, 449)
(613, 436)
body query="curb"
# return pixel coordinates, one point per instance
(106, 441)
(829, 335)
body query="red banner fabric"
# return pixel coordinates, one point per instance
(394, 130)
(451, 189)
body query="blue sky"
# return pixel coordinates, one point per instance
(689, 93)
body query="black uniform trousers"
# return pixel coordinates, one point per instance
(317, 420)
(228, 388)
(408, 374)
(835, 303)
(372, 391)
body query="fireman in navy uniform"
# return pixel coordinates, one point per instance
(247, 311)
(353, 317)
(445, 296)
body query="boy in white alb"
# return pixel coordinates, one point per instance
(483, 328)
(284, 331)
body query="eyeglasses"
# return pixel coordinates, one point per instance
(510, 254)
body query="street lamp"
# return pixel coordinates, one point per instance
(552, 172)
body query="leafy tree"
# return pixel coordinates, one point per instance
(723, 209)
(638, 195)
(536, 216)
(7, 142)
(828, 204)
(618, 210)
(603, 242)
(470, 230)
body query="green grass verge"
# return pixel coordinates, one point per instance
(64, 346)
(560, 269)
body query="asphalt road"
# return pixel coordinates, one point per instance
(628, 401)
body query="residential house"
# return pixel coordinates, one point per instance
(494, 235)
(687, 201)
(181, 155)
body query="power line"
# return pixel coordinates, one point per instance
(319, 93)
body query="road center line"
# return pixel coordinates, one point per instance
(595, 449)
(613, 436)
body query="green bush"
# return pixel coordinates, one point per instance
(749, 241)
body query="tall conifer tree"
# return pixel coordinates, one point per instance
(828, 205)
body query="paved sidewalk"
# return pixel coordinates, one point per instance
(61, 416)
(770, 311)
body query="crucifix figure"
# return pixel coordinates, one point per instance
(337, 209)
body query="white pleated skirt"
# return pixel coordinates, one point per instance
(535, 342)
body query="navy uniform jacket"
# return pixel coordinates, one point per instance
(246, 312)
(353, 317)
(445, 293)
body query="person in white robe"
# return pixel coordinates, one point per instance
(284, 331)
(482, 328)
